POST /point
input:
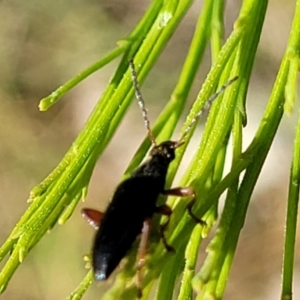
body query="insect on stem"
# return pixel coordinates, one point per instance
(112, 242)
(141, 102)
(208, 104)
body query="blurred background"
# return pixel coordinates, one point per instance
(42, 45)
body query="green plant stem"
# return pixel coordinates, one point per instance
(191, 255)
(206, 280)
(259, 147)
(169, 275)
(123, 46)
(81, 289)
(292, 56)
(187, 76)
(55, 96)
(217, 28)
(292, 53)
(291, 221)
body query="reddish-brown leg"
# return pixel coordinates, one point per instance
(142, 254)
(186, 192)
(166, 211)
(92, 216)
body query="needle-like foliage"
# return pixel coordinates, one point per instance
(55, 199)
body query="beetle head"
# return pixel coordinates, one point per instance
(166, 150)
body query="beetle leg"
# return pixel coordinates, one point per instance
(142, 254)
(92, 216)
(186, 192)
(166, 211)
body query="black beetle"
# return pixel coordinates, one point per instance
(134, 203)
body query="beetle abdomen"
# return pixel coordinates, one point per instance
(122, 223)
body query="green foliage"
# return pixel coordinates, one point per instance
(54, 200)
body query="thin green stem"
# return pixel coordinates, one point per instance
(291, 221)
(179, 96)
(191, 255)
(292, 56)
(169, 275)
(81, 289)
(50, 100)
(217, 28)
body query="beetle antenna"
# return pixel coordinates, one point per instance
(141, 102)
(208, 104)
